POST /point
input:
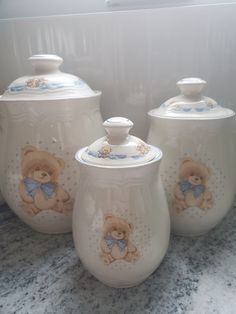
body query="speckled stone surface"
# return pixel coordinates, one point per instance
(41, 274)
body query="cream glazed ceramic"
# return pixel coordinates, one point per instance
(195, 134)
(121, 221)
(49, 115)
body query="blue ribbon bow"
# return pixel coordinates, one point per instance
(110, 241)
(32, 186)
(197, 190)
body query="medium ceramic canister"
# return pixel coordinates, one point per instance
(195, 134)
(47, 116)
(121, 221)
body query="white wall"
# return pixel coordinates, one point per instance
(134, 57)
(29, 8)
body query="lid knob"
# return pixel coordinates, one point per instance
(45, 63)
(117, 129)
(191, 87)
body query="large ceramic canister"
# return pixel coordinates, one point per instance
(49, 115)
(121, 221)
(196, 136)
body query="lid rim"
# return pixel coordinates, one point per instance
(188, 118)
(96, 94)
(78, 157)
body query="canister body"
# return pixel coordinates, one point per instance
(40, 175)
(121, 223)
(197, 171)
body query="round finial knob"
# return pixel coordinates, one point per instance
(46, 63)
(191, 86)
(117, 129)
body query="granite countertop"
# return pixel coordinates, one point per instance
(41, 274)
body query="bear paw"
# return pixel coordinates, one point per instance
(64, 207)
(132, 257)
(180, 206)
(31, 209)
(107, 258)
(207, 205)
(67, 207)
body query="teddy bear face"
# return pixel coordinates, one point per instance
(117, 230)
(41, 166)
(117, 227)
(196, 178)
(119, 233)
(42, 174)
(194, 172)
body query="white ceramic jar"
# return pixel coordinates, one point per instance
(121, 221)
(49, 115)
(195, 134)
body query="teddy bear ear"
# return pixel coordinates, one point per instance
(131, 227)
(186, 159)
(209, 171)
(28, 149)
(61, 162)
(107, 216)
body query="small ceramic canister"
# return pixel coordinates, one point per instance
(45, 117)
(120, 222)
(196, 136)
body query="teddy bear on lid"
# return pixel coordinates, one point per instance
(116, 243)
(191, 190)
(39, 188)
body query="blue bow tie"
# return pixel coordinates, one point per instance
(110, 241)
(197, 190)
(32, 186)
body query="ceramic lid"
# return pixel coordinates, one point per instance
(191, 104)
(48, 82)
(118, 147)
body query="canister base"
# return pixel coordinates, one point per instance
(190, 234)
(52, 232)
(122, 286)
(125, 285)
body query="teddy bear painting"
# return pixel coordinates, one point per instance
(192, 190)
(39, 188)
(116, 243)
